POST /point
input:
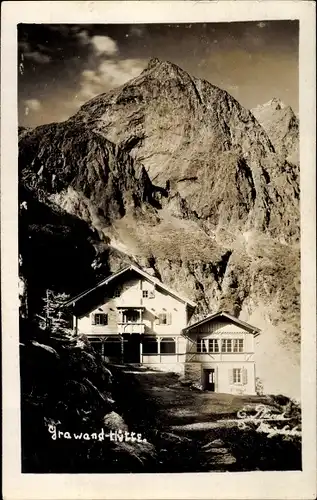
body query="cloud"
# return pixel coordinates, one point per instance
(116, 73)
(74, 36)
(109, 74)
(32, 105)
(34, 55)
(104, 45)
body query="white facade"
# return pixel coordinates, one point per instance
(136, 319)
(221, 355)
(138, 311)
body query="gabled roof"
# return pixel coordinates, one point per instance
(224, 314)
(138, 270)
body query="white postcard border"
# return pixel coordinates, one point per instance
(253, 485)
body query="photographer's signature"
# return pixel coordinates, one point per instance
(264, 417)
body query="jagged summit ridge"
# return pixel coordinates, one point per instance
(275, 103)
(155, 63)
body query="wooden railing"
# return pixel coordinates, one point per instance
(131, 328)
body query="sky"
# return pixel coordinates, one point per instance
(63, 66)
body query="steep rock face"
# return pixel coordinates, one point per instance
(200, 142)
(282, 127)
(71, 156)
(173, 174)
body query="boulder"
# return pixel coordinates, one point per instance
(216, 443)
(114, 421)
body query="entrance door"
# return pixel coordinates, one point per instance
(209, 380)
(132, 348)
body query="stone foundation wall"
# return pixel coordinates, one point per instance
(192, 372)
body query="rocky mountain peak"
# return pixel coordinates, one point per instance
(154, 61)
(175, 175)
(282, 126)
(275, 103)
(163, 66)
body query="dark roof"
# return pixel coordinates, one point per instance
(138, 270)
(233, 319)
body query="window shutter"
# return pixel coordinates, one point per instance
(169, 318)
(244, 376)
(216, 379)
(93, 321)
(231, 376)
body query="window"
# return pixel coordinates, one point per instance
(150, 346)
(117, 293)
(100, 319)
(237, 375)
(232, 345)
(145, 294)
(168, 346)
(226, 345)
(213, 345)
(237, 345)
(165, 319)
(207, 345)
(202, 345)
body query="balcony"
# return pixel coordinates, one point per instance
(131, 327)
(131, 320)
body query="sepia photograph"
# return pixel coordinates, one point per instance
(159, 247)
(159, 240)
